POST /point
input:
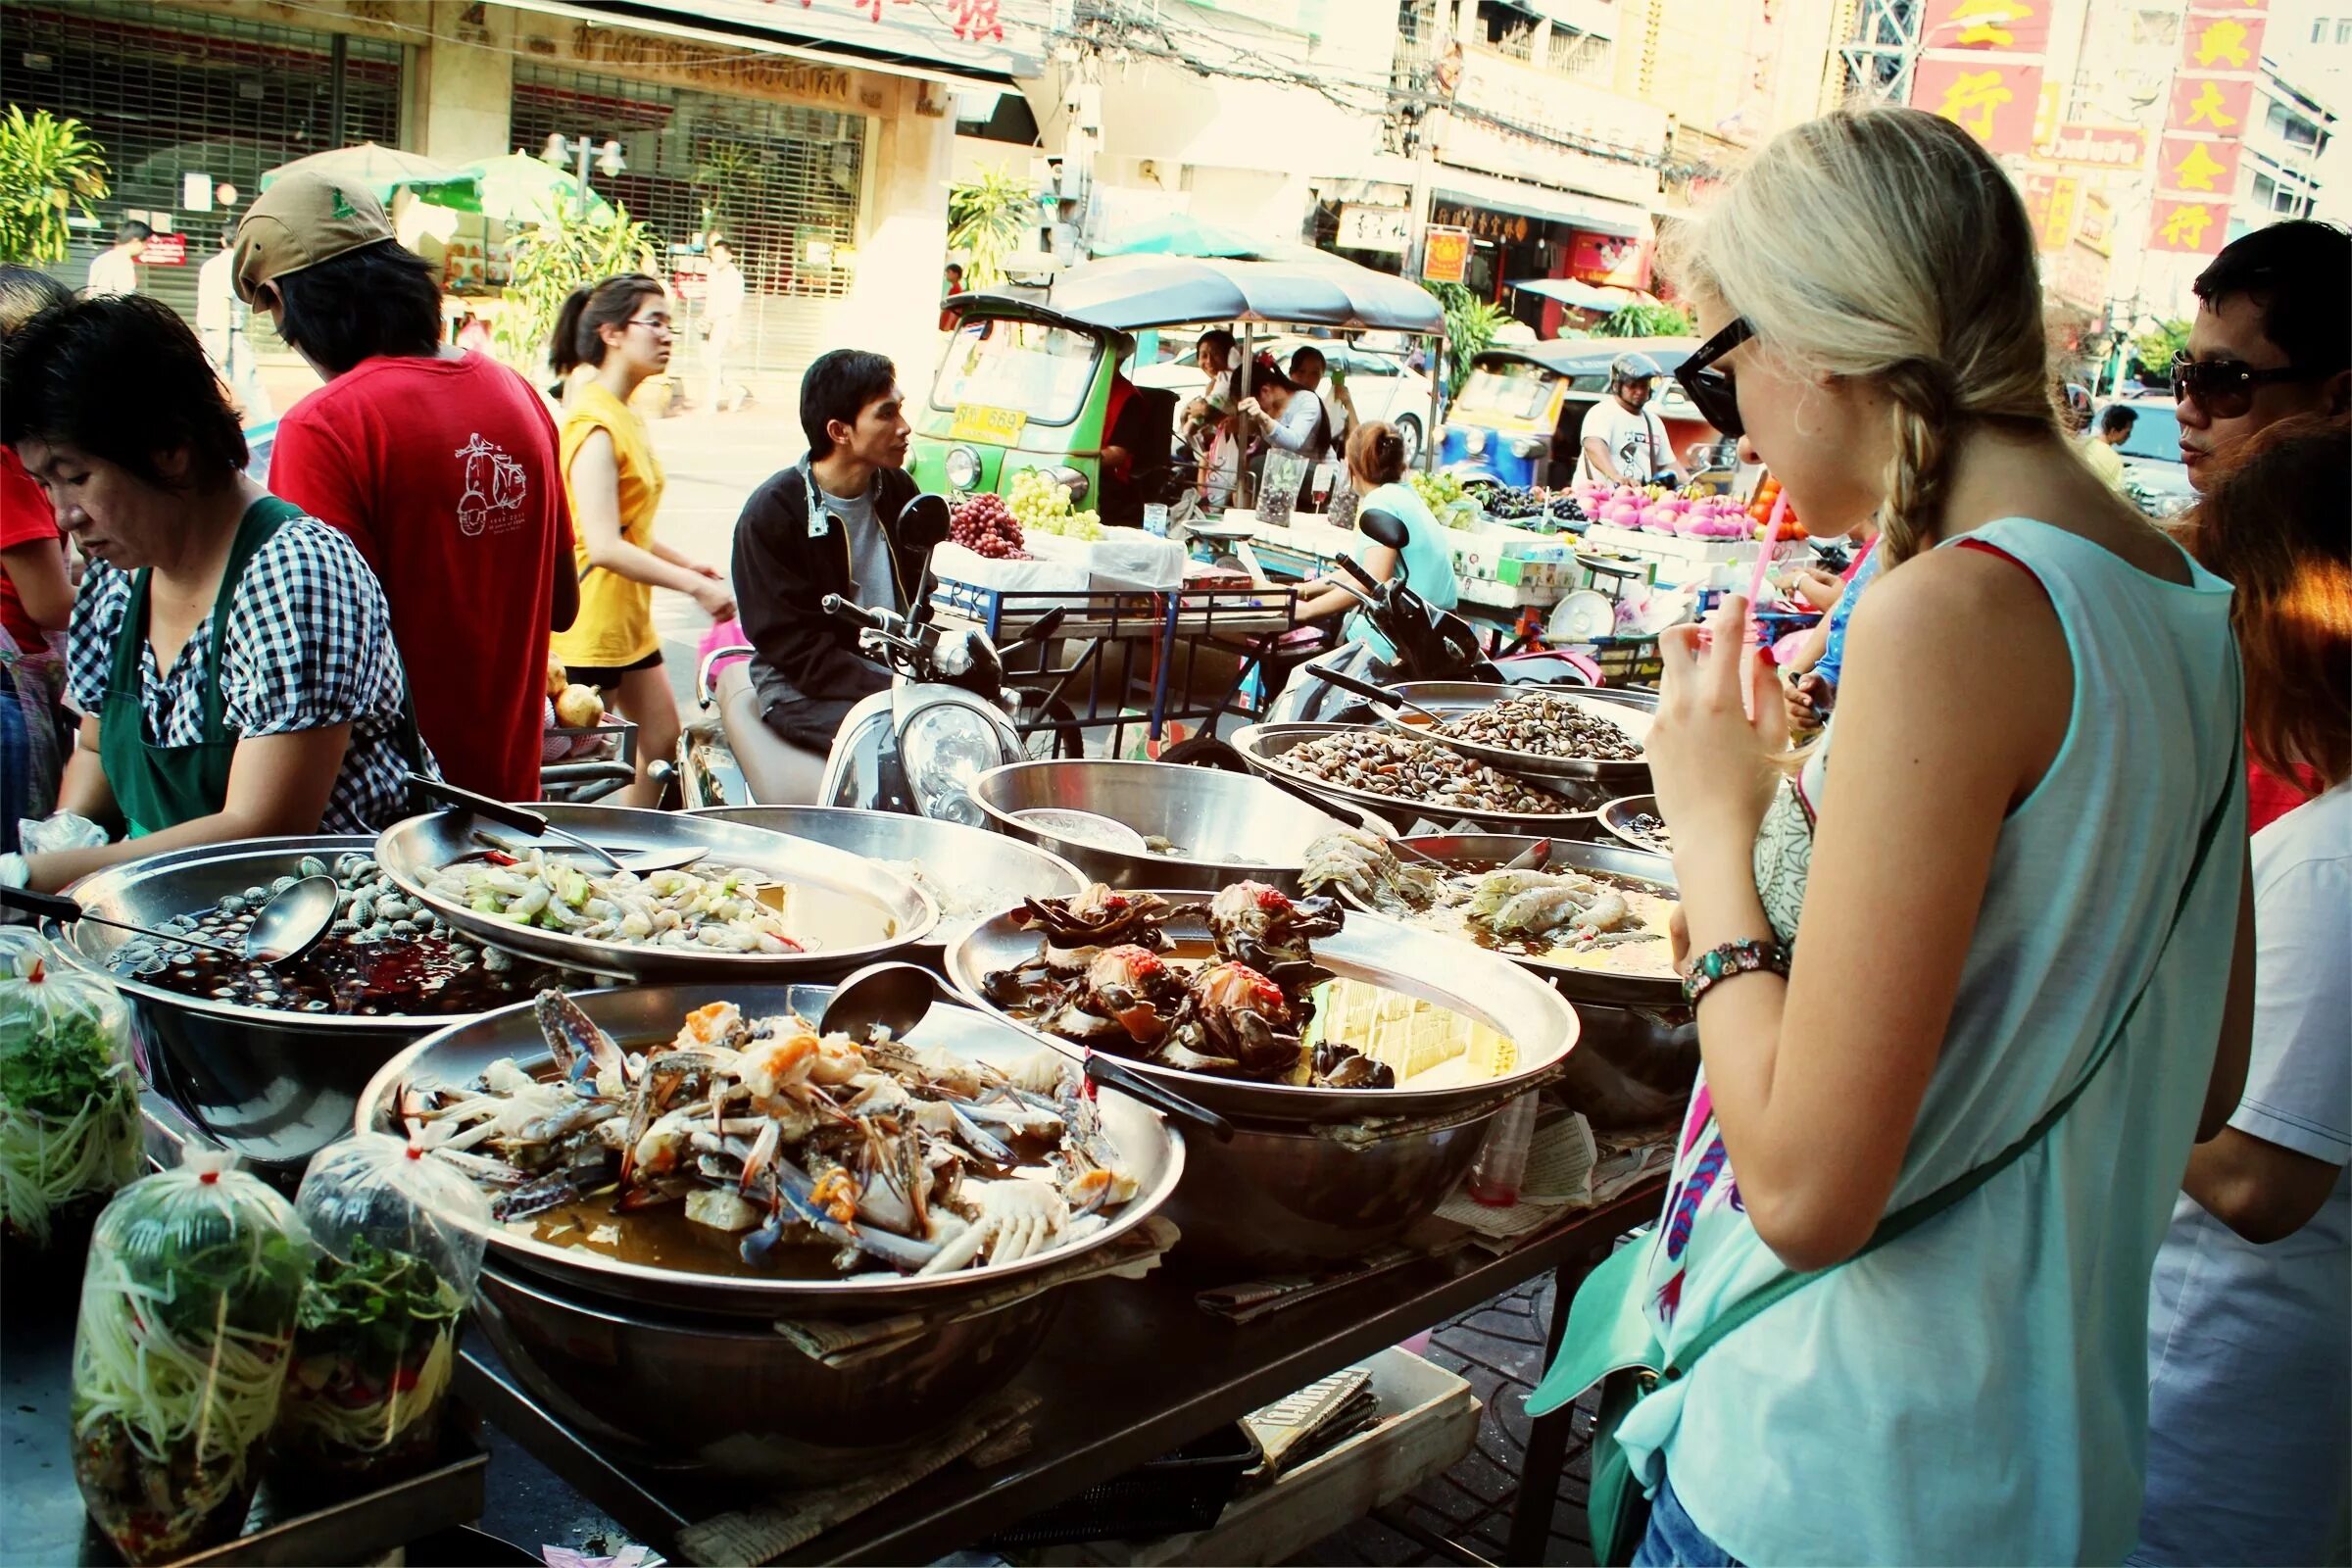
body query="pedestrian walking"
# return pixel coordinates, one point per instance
(115, 269)
(723, 312)
(1900, 1283)
(438, 464)
(2249, 1340)
(619, 334)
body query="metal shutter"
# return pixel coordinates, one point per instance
(167, 92)
(783, 182)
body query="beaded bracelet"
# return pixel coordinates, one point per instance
(1712, 967)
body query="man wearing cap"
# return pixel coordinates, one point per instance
(440, 465)
(1624, 441)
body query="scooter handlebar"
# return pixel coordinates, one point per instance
(841, 609)
(1348, 564)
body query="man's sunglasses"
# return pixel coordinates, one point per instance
(1711, 390)
(2224, 388)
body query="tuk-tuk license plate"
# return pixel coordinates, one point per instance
(978, 422)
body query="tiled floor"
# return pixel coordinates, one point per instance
(1499, 1348)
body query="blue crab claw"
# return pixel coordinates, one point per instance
(581, 1050)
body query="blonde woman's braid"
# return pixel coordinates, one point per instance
(1922, 409)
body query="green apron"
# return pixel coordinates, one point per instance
(156, 787)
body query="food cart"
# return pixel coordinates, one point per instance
(1518, 417)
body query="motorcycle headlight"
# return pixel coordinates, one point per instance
(946, 748)
(1527, 446)
(1073, 481)
(1475, 442)
(962, 468)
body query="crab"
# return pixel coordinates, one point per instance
(1121, 993)
(1074, 931)
(1268, 930)
(1236, 1022)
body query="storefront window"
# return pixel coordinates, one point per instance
(1043, 371)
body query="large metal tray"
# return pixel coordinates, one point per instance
(645, 1014)
(412, 850)
(962, 860)
(1485, 985)
(1455, 699)
(1572, 982)
(1261, 744)
(1616, 818)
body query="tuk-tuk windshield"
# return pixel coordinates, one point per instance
(1039, 369)
(1511, 389)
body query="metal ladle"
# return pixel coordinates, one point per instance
(881, 996)
(532, 824)
(288, 926)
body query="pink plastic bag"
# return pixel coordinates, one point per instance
(725, 634)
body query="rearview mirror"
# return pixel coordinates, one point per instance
(1382, 528)
(924, 523)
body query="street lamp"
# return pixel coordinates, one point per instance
(561, 151)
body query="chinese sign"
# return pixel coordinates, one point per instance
(1374, 229)
(1980, 66)
(1991, 100)
(2207, 113)
(2053, 206)
(1446, 254)
(2007, 27)
(999, 36)
(1610, 259)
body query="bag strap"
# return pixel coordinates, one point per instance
(1920, 1210)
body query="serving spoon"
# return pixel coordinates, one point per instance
(288, 926)
(534, 825)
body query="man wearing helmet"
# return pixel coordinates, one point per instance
(1624, 441)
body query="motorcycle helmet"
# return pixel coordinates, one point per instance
(1630, 367)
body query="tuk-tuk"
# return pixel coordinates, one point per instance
(1027, 379)
(1520, 415)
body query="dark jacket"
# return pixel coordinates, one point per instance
(808, 672)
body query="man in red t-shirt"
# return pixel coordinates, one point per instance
(440, 465)
(36, 597)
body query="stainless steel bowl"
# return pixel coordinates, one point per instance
(1485, 986)
(1261, 747)
(276, 1087)
(1578, 985)
(1458, 699)
(645, 1014)
(1617, 815)
(410, 852)
(1230, 826)
(964, 869)
(669, 1389)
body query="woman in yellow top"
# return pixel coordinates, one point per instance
(621, 329)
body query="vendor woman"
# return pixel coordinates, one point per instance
(1376, 466)
(231, 657)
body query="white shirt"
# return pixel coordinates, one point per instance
(2251, 1348)
(216, 294)
(1295, 430)
(1636, 442)
(725, 300)
(112, 271)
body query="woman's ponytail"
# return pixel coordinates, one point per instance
(564, 343)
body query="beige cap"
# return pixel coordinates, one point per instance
(299, 222)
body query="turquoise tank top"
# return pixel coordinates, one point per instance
(1428, 558)
(1977, 1391)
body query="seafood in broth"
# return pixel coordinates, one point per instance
(881, 1154)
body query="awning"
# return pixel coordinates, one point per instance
(989, 67)
(1595, 214)
(1581, 294)
(1130, 292)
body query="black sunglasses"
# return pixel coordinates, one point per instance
(2224, 388)
(1711, 391)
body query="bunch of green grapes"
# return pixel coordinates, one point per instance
(1041, 506)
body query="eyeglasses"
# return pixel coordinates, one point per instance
(659, 325)
(2224, 388)
(1711, 390)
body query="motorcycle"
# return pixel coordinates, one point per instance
(947, 718)
(1431, 644)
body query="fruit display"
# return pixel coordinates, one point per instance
(1544, 509)
(1438, 491)
(984, 525)
(1695, 513)
(1041, 506)
(1759, 510)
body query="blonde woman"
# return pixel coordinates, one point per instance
(1994, 924)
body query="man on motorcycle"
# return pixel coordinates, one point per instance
(1623, 439)
(829, 524)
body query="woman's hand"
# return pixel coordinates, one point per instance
(701, 570)
(1709, 763)
(712, 594)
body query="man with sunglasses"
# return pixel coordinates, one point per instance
(1623, 440)
(2272, 339)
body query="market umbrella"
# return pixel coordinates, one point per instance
(1182, 235)
(1582, 295)
(379, 168)
(516, 188)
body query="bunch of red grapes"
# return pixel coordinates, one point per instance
(984, 525)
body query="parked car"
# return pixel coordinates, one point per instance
(1378, 382)
(2153, 471)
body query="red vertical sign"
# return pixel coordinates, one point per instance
(2211, 101)
(1980, 67)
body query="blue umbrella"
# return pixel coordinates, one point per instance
(1183, 235)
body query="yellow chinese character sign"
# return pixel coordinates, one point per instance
(1992, 102)
(2191, 228)
(2209, 103)
(2222, 43)
(2209, 168)
(2007, 27)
